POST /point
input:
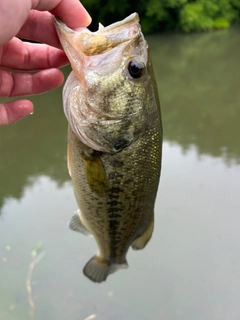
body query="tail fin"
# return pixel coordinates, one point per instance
(97, 269)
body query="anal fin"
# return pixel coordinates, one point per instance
(76, 224)
(140, 242)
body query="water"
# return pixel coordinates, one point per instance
(191, 268)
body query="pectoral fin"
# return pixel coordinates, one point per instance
(76, 224)
(95, 172)
(140, 242)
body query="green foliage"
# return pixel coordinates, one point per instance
(162, 15)
(204, 15)
(220, 23)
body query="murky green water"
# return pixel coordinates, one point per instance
(191, 268)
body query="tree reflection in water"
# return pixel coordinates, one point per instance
(198, 78)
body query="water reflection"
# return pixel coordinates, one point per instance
(57, 282)
(190, 268)
(198, 77)
(34, 146)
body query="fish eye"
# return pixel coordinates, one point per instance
(135, 69)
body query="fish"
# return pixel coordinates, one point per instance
(111, 103)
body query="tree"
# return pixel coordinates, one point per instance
(163, 15)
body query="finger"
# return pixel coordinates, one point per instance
(13, 111)
(18, 55)
(13, 15)
(70, 12)
(19, 84)
(39, 27)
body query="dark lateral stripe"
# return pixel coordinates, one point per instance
(114, 215)
(114, 210)
(114, 202)
(115, 190)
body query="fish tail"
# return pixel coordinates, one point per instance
(97, 269)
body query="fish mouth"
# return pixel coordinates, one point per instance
(83, 41)
(132, 18)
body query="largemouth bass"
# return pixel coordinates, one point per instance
(114, 139)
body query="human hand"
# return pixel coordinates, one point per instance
(32, 20)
